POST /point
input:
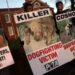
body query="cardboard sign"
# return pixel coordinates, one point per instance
(48, 58)
(70, 46)
(42, 45)
(5, 57)
(67, 30)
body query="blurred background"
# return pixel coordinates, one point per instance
(19, 3)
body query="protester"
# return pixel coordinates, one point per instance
(28, 7)
(59, 6)
(37, 4)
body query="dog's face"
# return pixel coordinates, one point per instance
(35, 27)
(67, 27)
(38, 36)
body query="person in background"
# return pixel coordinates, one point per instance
(59, 6)
(60, 10)
(37, 4)
(27, 7)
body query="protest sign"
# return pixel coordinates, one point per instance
(5, 57)
(67, 30)
(42, 45)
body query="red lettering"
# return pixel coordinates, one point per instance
(29, 57)
(43, 59)
(44, 51)
(72, 48)
(48, 57)
(57, 46)
(68, 45)
(38, 53)
(54, 55)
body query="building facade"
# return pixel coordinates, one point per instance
(7, 23)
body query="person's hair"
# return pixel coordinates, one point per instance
(25, 5)
(57, 3)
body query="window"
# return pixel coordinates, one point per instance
(7, 18)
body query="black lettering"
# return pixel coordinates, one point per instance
(56, 63)
(66, 16)
(1, 53)
(35, 15)
(46, 12)
(2, 58)
(25, 16)
(29, 16)
(40, 13)
(51, 65)
(62, 16)
(58, 17)
(4, 51)
(47, 66)
(20, 17)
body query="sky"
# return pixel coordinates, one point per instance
(19, 3)
(12, 3)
